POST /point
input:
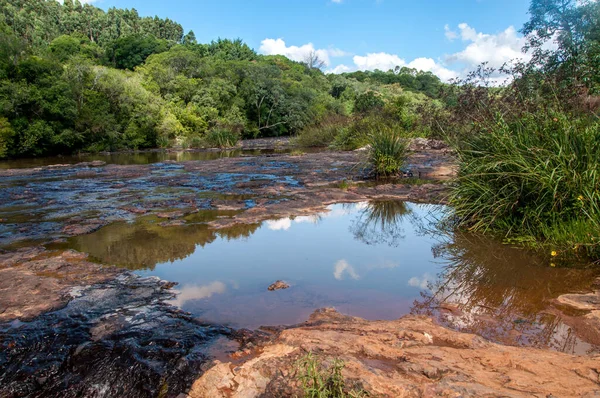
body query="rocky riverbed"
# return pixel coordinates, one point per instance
(71, 325)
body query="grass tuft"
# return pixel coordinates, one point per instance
(321, 382)
(388, 152)
(534, 179)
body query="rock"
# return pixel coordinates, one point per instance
(120, 337)
(409, 357)
(83, 229)
(172, 223)
(420, 144)
(135, 210)
(588, 302)
(36, 280)
(279, 285)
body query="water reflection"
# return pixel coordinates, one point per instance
(381, 222)
(502, 293)
(194, 292)
(139, 158)
(378, 260)
(144, 243)
(342, 267)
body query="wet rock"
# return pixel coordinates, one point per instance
(115, 339)
(279, 285)
(34, 280)
(135, 210)
(409, 357)
(589, 301)
(173, 223)
(87, 227)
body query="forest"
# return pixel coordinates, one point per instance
(76, 78)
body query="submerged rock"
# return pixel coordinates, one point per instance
(279, 285)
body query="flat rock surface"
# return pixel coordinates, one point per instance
(48, 203)
(409, 357)
(34, 280)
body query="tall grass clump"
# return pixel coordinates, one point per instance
(221, 138)
(534, 179)
(321, 382)
(321, 134)
(388, 151)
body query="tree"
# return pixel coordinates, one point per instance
(313, 61)
(131, 51)
(190, 38)
(574, 26)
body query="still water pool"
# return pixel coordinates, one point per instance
(378, 260)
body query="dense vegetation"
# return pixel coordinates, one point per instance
(529, 152)
(76, 78)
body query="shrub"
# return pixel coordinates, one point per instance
(222, 138)
(321, 134)
(369, 101)
(536, 178)
(6, 136)
(388, 152)
(319, 382)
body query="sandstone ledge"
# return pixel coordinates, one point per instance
(409, 357)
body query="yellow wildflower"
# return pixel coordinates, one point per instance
(553, 253)
(552, 265)
(580, 197)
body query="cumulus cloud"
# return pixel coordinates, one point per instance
(298, 53)
(449, 33)
(384, 61)
(341, 268)
(495, 49)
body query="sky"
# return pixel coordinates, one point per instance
(446, 37)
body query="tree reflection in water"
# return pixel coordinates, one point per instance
(144, 243)
(502, 293)
(381, 222)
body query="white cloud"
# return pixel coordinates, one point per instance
(495, 49)
(385, 62)
(342, 267)
(429, 65)
(450, 34)
(337, 1)
(298, 53)
(194, 292)
(381, 61)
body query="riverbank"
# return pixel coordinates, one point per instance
(69, 319)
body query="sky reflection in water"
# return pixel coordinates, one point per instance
(346, 258)
(378, 260)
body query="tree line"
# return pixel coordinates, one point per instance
(74, 78)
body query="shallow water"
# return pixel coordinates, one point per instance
(377, 260)
(143, 157)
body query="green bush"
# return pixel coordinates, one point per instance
(6, 136)
(388, 151)
(320, 382)
(221, 138)
(534, 179)
(321, 134)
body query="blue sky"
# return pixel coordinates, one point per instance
(447, 37)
